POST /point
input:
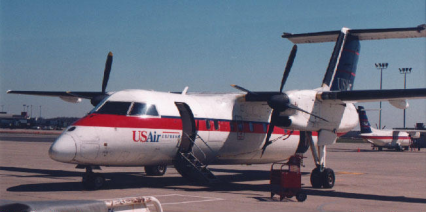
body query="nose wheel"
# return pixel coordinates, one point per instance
(91, 180)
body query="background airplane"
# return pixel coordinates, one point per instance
(392, 139)
(192, 130)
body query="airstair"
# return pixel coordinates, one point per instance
(191, 168)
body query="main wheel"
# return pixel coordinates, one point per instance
(316, 178)
(93, 181)
(159, 170)
(328, 178)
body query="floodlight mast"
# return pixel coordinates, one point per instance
(405, 71)
(381, 66)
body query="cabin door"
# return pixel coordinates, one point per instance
(188, 127)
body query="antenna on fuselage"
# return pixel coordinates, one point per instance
(185, 90)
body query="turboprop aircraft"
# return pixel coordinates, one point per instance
(192, 130)
(391, 139)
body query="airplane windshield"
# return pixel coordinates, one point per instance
(143, 109)
(126, 108)
(114, 108)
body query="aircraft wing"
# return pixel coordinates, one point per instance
(410, 130)
(362, 34)
(373, 95)
(68, 96)
(351, 96)
(79, 94)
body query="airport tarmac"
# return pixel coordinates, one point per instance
(366, 180)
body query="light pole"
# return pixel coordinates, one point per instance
(381, 66)
(405, 71)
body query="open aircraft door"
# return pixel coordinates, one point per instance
(188, 127)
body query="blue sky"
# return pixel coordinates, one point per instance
(206, 45)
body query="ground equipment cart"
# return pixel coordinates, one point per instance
(286, 179)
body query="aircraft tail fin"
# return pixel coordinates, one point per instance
(340, 74)
(364, 124)
(341, 70)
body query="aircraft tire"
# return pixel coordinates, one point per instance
(316, 178)
(301, 196)
(159, 170)
(93, 181)
(328, 178)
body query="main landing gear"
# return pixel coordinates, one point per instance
(321, 176)
(159, 170)
(91, 180)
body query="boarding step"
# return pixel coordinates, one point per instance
(192, 169)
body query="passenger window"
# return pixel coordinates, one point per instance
(216, 124)
(251, 127)
(143, 109)
(208, 124)
(114, 108)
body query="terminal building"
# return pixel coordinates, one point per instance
(23, 121)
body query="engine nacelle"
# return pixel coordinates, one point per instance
(319, 115)
(71, 99)
(400, 104)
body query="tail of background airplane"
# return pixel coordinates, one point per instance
(364, 124)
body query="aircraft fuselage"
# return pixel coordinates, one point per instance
(230, 130)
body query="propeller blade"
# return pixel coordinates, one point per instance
(107, 71)
(288, 67)
(242, 89)
(274, 116)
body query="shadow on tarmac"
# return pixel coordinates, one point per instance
(239, 180)
(332, 193)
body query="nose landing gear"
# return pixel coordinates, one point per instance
(91, 180)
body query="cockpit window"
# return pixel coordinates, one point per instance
(143, 109)
(114, 108)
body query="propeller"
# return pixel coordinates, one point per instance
(107, 71)
(97, 99)
(281, 102)
(288, 66)
(281, 98)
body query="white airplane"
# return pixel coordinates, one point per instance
(391, 139)
(193, 130)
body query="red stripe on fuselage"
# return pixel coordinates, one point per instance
(175, 123)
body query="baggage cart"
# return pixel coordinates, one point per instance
(286, 179)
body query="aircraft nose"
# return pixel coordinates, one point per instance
(64, 149)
